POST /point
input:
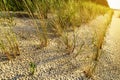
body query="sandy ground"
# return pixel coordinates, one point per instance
(52, 62)
(109, 64)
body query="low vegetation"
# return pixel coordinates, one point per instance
(98, 40)
(61, 16)
(8, 41)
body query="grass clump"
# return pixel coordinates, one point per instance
(98, 40)
(8, 40)
(100, 33)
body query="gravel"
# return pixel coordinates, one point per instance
(52, 62)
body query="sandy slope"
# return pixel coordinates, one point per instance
(109, 64)
(52, 62)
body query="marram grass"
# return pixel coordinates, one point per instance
(59, 15)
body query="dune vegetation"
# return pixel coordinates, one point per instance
(59, 16)
(53, 17)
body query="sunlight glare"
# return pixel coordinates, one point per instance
(115, 4)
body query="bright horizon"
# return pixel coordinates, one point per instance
(115, 4)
